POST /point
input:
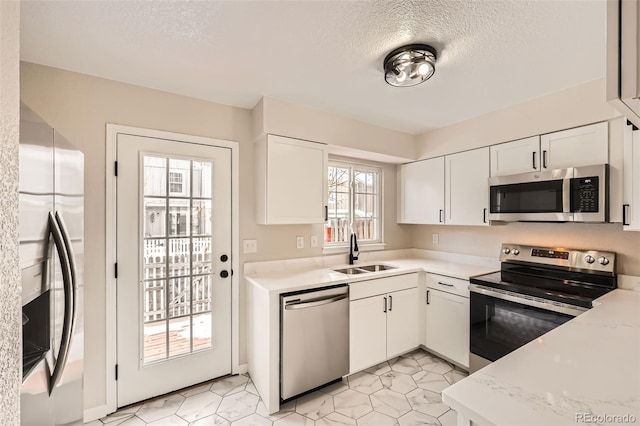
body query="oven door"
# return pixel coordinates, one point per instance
(538, 196)
(501, 322)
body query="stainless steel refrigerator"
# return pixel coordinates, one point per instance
(52, 262)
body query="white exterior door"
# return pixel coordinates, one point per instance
(174, 265)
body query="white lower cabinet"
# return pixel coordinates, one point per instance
(382, 319)
(447, 318)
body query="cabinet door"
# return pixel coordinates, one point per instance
(448, 326)
(582, 146)
(402, 324)
(296, 179)
(467, 187)
(367, 332)
(631, 206)
(515, 157)
(421, 188)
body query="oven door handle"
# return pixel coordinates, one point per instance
(563, 308)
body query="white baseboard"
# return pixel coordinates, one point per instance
(241, 369)
(95, 413)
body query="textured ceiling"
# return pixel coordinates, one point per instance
(328, 54)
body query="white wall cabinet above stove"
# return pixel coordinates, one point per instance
(421, 192)
(580, 146)
(516, 157)
(467, 187)
(291, 179)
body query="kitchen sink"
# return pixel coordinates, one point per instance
(364, 269)
(376, 268)
(351, 271)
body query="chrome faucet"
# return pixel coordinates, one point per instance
(353, 246)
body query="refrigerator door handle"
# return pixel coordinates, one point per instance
(72, 264)
(63, 255)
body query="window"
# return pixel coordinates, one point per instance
(353, 204)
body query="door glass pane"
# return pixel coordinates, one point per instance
(201, 179)
(178, 217)
(177, 244)
(180, 297)
(179, 263)
(154, 217)
(201, 256)
(179, 173)
(180, 336)
(201, 217)
(155, 176)
(202, 331)
(154, 260)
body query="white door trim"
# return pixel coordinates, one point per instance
(112, 132)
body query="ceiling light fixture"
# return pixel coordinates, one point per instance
(410, 65)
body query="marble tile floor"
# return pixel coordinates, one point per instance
(403, 391)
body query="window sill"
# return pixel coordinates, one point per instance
(345, 249)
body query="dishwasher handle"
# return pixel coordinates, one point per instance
(318, 302)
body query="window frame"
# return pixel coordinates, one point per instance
(364, 245)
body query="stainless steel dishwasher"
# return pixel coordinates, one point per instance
(314, 339)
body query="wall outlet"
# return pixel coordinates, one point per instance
(300, 242)
(249, 246)
(435, 238)
(314, 241)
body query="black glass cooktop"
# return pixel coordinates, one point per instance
(572, 287)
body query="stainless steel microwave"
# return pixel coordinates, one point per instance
(576, 194)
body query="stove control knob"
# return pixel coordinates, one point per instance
(603, 260)
(506, 250)
(515, 252)
(589, 259)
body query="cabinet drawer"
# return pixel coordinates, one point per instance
(448, 284)
(368, 288)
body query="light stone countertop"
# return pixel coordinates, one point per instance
(300, 274)
(587, 366)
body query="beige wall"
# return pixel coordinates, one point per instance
(79, 106)
(486, 240)
(10, 300)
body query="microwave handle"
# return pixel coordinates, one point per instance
(566, 195)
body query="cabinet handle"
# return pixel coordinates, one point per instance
(534, 160)
(440, 215)
(445, 284)
(326, 213)
(484, 215)
(428, 301)
(544, 159)
(624, 214)
(390, 303)
(385, 305)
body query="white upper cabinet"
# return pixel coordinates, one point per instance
(291, 179)
(467, 187)
(421, 192)
(623, 57)
(631, 179)
(515, 157)
(581, 146)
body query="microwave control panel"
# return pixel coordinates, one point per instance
(584, 194)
